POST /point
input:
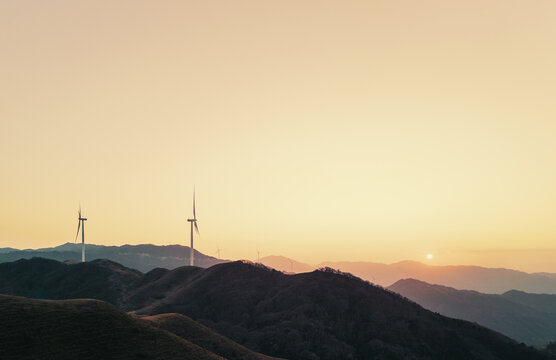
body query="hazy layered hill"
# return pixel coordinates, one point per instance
(84, 329)
(317, 315)
(149, 257)
(486, 280)
(531, 318)
(541, 302)
(141, 257)
(285, 264)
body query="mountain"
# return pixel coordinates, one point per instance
(541, 302)
(551, 275)
(141, 257)
(285, 264)
(319, 315)
(485, 280)
(528, 318)
(49, 279)
(84, 329)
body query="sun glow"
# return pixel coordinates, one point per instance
(429, 256)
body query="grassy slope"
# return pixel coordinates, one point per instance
(187, 328)
(84, 329)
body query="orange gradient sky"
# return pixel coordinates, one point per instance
(320, 130)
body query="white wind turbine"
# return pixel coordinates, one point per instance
(81, 225)
(193, 224)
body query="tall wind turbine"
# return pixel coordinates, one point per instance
(193, 224)
(81, 225)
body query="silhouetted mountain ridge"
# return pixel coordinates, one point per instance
(142, 257)
(521, 319)
(485, 280)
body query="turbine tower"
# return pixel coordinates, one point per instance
(81, 225)
(193, 224)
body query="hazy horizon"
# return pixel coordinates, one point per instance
(357, 131)
(425, 260)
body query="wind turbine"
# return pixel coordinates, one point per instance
(218, 253)
(81, 225)
(193, 224)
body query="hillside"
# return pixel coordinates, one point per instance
(141, 257)
(522, 321)
(49, 279)
(285, 264)
(198, 334)
(486, 280)
(84, 329)
(319, 315)
(542, 302)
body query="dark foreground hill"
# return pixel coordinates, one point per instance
(141, 257)
(49, 279)
(529, 318)
(318, 315)
(84, 329)
(198, 334)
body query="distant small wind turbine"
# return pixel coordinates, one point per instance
(258, 256)
(193, 224)
(218, 253)
(81, 225)
(291, 264)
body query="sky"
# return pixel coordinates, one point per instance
(319, 130)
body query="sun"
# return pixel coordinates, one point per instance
(429, 256)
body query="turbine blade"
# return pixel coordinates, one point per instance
(78, 226)
(194, 215)
(196, 228)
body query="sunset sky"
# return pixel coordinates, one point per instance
(319, 130)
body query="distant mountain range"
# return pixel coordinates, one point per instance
(529, 318)
(141, 257)
(319, 315)
(92, 329)
(148, 257)
(485, 280)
